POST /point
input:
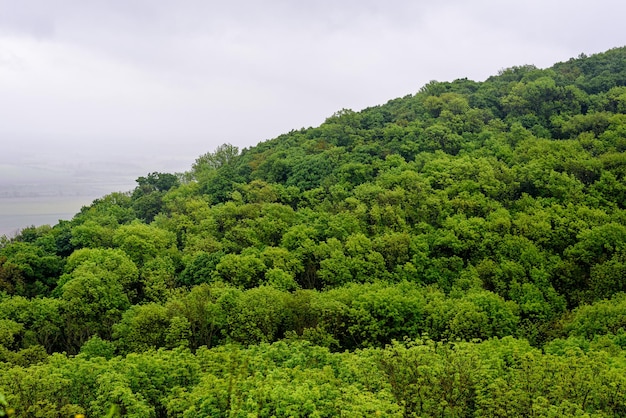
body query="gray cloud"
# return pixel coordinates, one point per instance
(146, 80)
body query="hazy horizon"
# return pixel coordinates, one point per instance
(42, 192)
(45, 196)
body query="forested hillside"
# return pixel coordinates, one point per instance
(458, 252)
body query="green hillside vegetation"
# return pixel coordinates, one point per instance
(458, 252)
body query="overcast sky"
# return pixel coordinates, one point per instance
(131, 86)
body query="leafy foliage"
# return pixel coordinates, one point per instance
(456, 252)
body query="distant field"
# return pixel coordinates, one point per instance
(43, 195)
(40, 188)
(18, 213)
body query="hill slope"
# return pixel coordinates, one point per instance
(470, 211)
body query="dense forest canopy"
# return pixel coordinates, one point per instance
(457, 252)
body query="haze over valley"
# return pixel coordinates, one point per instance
(43, 188)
